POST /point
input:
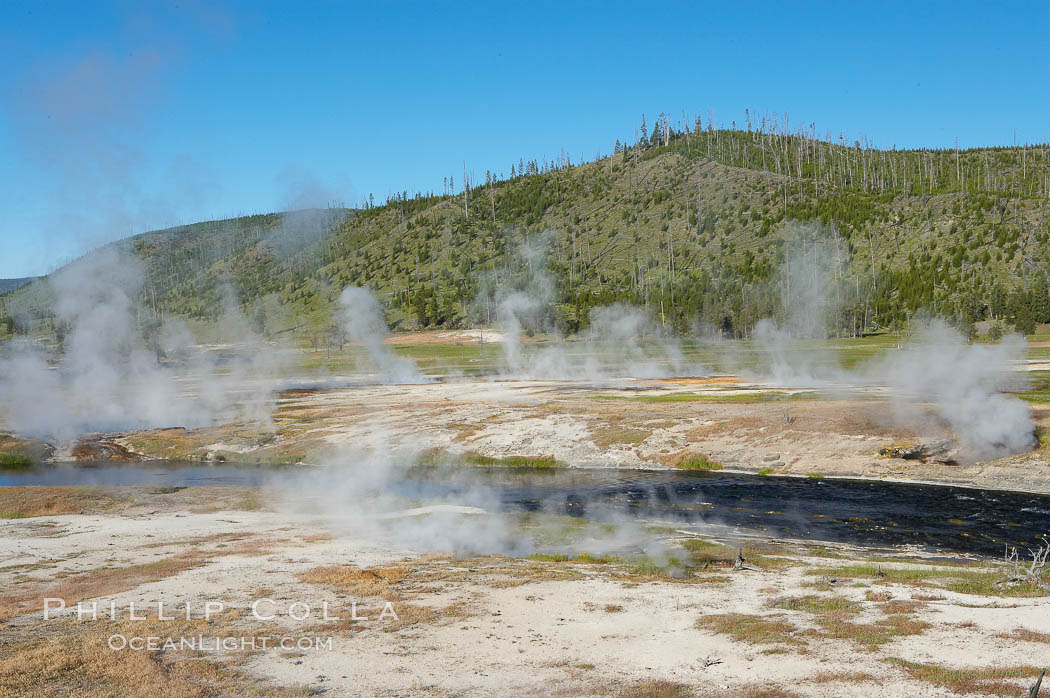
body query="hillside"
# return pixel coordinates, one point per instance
(8, 285)
(692, 225)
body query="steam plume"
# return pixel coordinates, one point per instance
(965, 385)
(939, 372)
(622, 341)
(362, 318)
(107, 379)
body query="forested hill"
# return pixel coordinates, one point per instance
(692, 222)
(8, 285)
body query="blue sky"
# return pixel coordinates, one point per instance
(121, 117)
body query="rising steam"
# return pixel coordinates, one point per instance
(964, 383)
(621, 341)
(362, 319)
(107, 379)
(937, 381)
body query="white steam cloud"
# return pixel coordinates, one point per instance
(362, 319)
(808, 285)
(622, 341)
(965, 386)
(109, 378)
(937, 381)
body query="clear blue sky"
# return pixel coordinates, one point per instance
(118, 118)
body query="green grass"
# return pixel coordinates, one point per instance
(703, 551)
(698, 462)
(561, 531)
(644, 567)
(766, 471)
(1037, 381)
(19, 455)
(438, 457)
(550, 557)
(1040, 353)
(513, 461)
(815, 476)
(15, 459)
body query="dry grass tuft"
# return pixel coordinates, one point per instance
(656, 688)
(833, 616)
(94, 583)
(356, 581)
(407, 615)
(25, 502)
(766, 692)
(757, 630)
(610, 435)
(316, 538)
(991, 681)
(816, 604)
(28, 596)
(414, 614)
(77, 661)
(1025, 635)
(902, 607)
(871, 636)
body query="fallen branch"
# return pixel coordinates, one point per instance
(1035, 572)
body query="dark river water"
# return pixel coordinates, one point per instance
(937, 518)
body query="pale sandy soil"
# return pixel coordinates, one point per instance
(502, 626)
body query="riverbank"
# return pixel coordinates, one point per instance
(736, 423)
